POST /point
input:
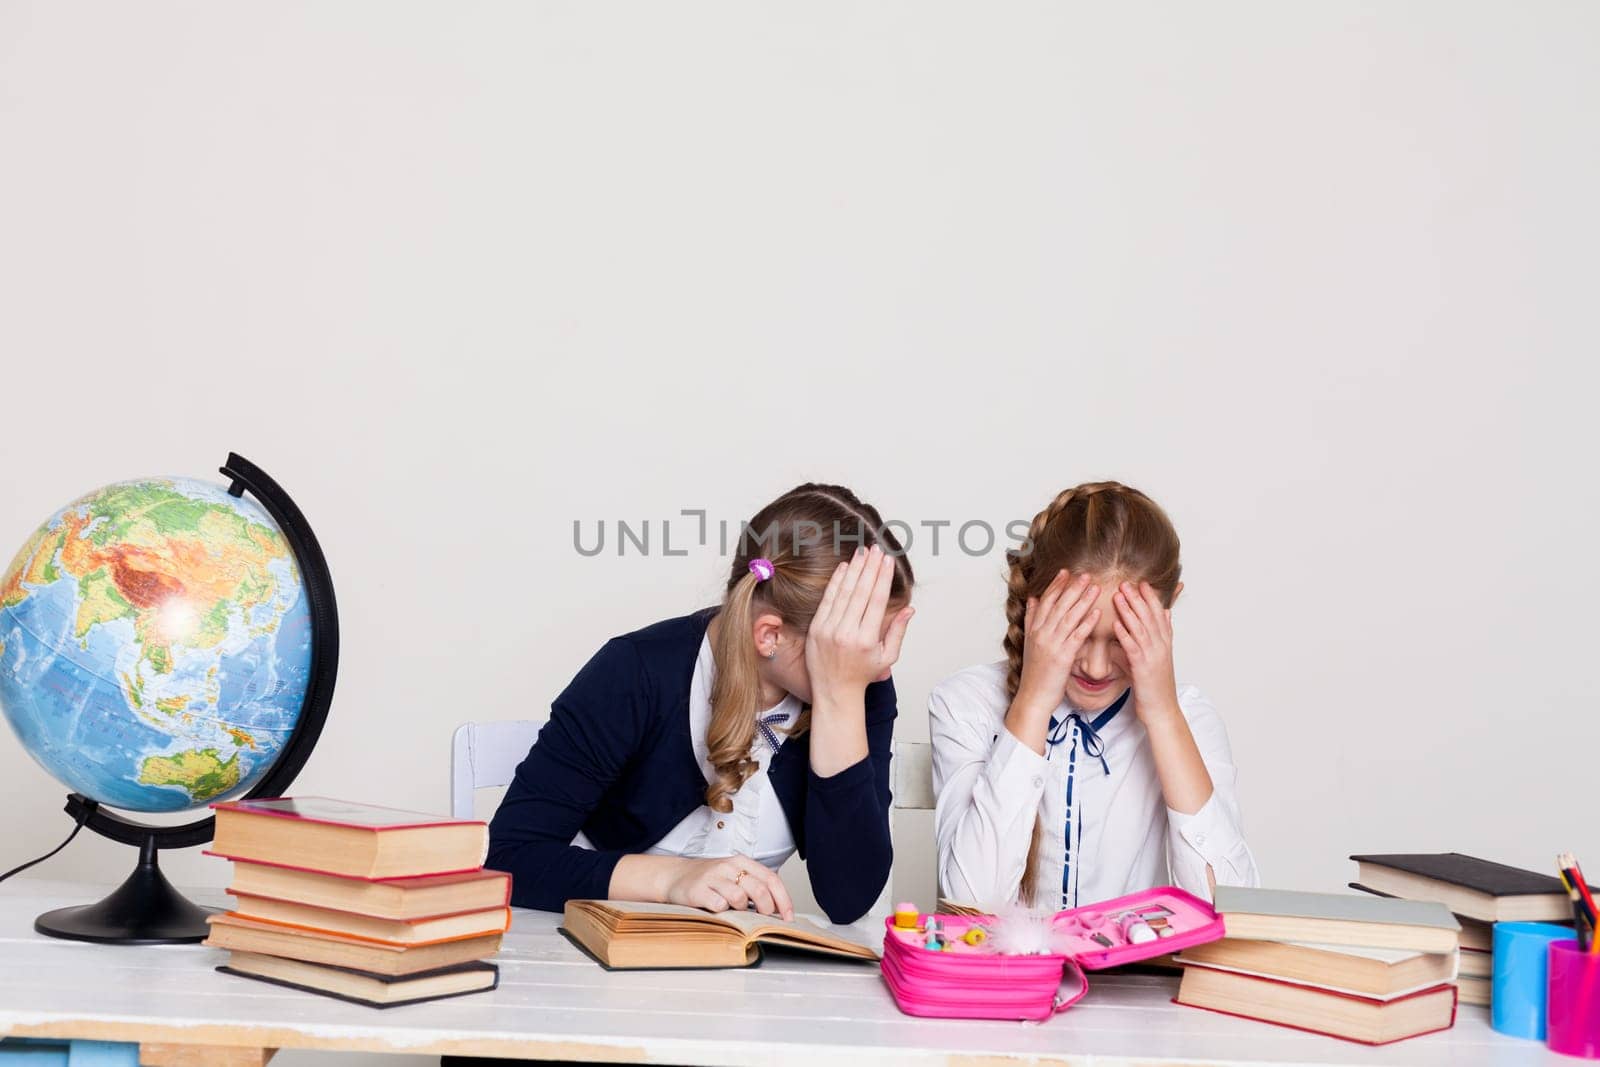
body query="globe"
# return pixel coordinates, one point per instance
(155, 644)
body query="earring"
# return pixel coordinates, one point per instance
(772, 653)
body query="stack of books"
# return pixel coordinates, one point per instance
(367, 904)
(1361, 968)
(1479, 892)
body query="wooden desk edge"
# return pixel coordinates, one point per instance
(255, 1037)
(262, 1041)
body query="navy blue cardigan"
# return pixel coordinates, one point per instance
(616, 762)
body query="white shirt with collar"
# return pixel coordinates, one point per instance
(757, 826)
(1107, 830)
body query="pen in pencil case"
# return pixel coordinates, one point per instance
(1594, 915)
(1579, 920)
(1575, 876)
(1582, 918)
(1583, 909)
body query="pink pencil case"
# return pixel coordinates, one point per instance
(963, 981)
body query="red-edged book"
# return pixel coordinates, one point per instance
(401, 933)
(429, 896)
(347, 839)
(1320, 1011)
(239, 934)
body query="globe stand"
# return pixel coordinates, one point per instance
(143, 910)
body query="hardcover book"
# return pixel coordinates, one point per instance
(351, 840)
(1378, 973)
(363, 987)
(1363, 1019)
(234, 932)
(424, 897)
(402, 933)
(1467, 885)
(1336, 919)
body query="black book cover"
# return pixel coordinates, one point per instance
(1485, 876)
(387, 979)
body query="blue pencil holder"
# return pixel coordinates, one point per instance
(1520, 985)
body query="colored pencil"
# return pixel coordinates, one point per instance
(1574, 873)
(1580, 921)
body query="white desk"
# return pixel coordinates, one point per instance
(553, 1003)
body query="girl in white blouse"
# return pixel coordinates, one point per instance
(1077, 769)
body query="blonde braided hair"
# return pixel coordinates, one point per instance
(1105, 529)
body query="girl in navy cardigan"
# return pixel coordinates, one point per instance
(689, 759)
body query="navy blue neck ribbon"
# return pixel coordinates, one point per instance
(766, 723)
(1061, 729)
(1090, 732)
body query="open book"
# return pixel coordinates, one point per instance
(623, 935)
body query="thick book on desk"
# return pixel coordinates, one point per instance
(348, 839)
(402, 933)
(1378, 973)
(232, 932)
(1481, 889)
(364, 987)
(625, 935)
(403, 899)
(1336, 919)
(1476, 934)
(1362, 1019)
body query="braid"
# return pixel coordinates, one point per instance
(1018, 582)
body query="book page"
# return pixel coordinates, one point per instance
(640, 907)
(1305, 983)
(339, 812)
(750, 923)
(1382, 955)
(754, 924)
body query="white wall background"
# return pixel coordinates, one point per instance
(1320, 277)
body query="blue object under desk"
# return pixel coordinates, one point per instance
(52, 1052)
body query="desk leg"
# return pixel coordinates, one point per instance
(155, 1054)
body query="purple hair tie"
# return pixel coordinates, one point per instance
(762, 568)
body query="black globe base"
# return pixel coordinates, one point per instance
(144, 910)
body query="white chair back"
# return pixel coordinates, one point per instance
(484, 755)
(913, 775)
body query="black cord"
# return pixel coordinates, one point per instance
(83, 817)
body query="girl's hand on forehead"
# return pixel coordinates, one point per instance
(1056, 624)
(1144, 629)
(847, 646)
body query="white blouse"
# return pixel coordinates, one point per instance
(1107, 829)
(757, 826)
